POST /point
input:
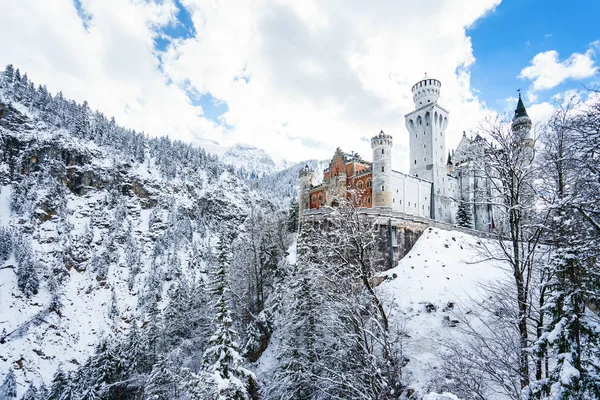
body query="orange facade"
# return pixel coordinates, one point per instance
(358, 181)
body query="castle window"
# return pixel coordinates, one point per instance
(382, 151)
(409, 203)
(369, 183)
(314, 198)
(359, 186)
(394, 200)
(382, 188)
(320, 198)
(415, 161)
(382, 169)
(424, 158)
(424, 146)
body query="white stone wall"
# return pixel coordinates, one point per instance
(410, 195)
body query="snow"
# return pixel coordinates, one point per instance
(443, 271)
(443, 396)
(568, 372)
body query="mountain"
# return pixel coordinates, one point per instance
(253, 162)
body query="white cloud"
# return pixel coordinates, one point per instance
(299, 78)
(547, 71)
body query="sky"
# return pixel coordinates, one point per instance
(300, 78)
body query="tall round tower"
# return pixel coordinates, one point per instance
(305, 177)
(382, 170)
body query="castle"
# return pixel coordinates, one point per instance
(436, 180)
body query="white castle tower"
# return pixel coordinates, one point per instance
(427, 128)
(306, 176)
(382, 170)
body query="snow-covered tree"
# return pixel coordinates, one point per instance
(571, 335)
(31, 393)
(8, 389)
(59, 385)
(222, 358)
(27, 270)
(464, 217)
(162, 382)
(292, 222)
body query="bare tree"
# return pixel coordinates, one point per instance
(506, 161)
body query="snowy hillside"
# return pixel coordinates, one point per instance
(96, 225)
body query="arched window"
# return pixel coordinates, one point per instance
(368, 200)
(314, 198)
(382, 169)
(369, 183)
(320, 198)
(419, 120)
(382, 151)
(359, 185)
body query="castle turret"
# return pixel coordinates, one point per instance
(521, 123)
(305, 176)
(427, 136)
(382, 170)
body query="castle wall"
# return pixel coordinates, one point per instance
(411, 195)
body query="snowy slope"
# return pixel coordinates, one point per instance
(443, 272)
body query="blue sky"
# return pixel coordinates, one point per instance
(506, 40)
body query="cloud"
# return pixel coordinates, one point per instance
(547, 71)
(289, 74)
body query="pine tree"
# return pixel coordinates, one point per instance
(222, 359)
(59, 385)
(8, 389)
(162, 381)
(31, 393)
(571, 337)
(292, 222)
(464, 218)
(7, 81)
(27, 274)
(297, 361)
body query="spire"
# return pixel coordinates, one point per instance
(520, 111)
(449, 159)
